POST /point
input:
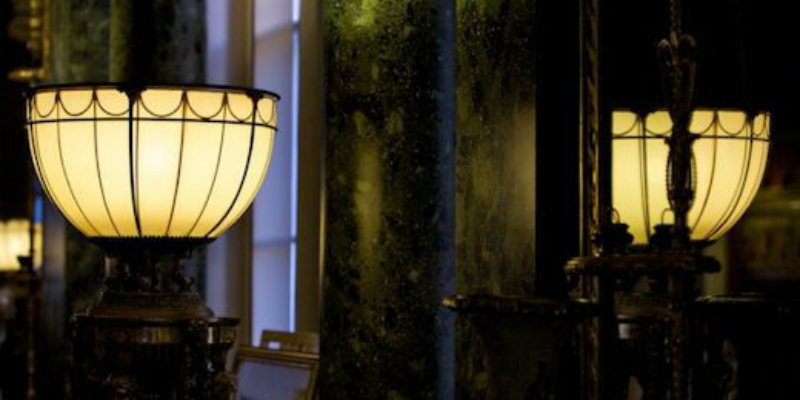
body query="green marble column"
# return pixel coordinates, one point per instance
(516, 183)
(79, 40)
(389, 217)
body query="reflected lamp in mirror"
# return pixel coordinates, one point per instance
(730, 154)
(167, 167)
(17, 239)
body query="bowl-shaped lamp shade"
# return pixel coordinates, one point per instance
(730, 154)
(160, 162)
(15, 241)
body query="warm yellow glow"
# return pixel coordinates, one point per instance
(15, 241)
(174, 162)
(730, 156)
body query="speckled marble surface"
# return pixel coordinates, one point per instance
(495, 167)
(495, 159)
(389, 186)
(513, 190)
(79, 40)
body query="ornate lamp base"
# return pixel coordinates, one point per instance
(527, 344)
(151, 305)
(149, 337)
(145, 358)
(642, 332)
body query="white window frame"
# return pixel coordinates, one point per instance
(230, 259)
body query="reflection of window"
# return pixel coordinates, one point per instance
(276, 59)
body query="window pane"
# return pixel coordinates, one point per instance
(275, 68)
(272, 15)
(271, 289)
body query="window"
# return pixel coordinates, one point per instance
(276, 67)
(265, 270)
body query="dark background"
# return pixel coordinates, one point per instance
(747, 55)
(13, 142)
(747, 58)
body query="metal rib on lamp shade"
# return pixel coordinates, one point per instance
(172, 162)
(730, 154)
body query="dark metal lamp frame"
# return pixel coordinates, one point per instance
(150, 335)
(650, 323)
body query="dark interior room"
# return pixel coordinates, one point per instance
(399, 199)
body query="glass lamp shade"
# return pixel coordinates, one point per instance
(15, 241)
(170, 163)
(730, 154)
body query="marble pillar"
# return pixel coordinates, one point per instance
(389, 184)
(517, 185)
(79, 41)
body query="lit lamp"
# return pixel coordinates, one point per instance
(15, 243)
(149, 173)
(729, 156)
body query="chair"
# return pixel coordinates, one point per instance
(283, 367)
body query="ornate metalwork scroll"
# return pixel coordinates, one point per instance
(677, 56)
